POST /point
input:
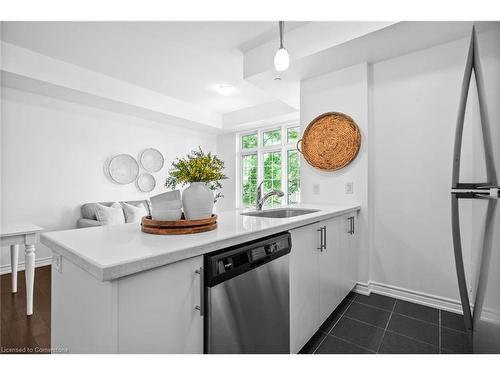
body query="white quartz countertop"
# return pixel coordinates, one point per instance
(114, 251)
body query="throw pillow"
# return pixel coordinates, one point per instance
(110, 215)
(134, 214)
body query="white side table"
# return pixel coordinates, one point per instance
(14, 234)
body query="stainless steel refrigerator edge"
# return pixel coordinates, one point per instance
(483, 286)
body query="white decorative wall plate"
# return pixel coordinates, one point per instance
(123, 169)
(146, 182)
(151, 160)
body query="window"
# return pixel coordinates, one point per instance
(270, 156)
(249, 141)
(271, 137)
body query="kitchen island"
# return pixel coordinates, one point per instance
(116, 289)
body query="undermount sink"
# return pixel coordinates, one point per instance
(280, 213)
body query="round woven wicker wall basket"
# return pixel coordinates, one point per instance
(331, 141)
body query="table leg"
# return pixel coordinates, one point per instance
(14, 258)
(30, 277)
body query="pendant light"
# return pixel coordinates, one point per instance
(281, 58)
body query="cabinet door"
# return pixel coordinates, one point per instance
(156, 310)
(304, 290)
(331, 265)
(350, 250)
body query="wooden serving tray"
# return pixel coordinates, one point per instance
(181, 226)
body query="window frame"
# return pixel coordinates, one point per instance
(283, 147)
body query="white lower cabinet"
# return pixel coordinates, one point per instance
(157, 310)
(331, 264)
(148, 312)
(304, 281)
(350, 245)
(323, 269)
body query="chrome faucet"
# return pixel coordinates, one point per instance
(261, 199)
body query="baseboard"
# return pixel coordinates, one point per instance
(40, 262)
(362, 288)
(426, 299)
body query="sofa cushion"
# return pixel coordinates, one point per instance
(145, 203)
(134, 213)
(87, 223)
(89, 209)
(110, 215)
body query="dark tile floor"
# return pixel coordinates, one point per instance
(380, 324)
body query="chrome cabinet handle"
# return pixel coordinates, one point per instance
(201, 306)
(320, 230)
(351, 225)
(324, 236)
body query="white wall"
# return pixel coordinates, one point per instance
(343, 91)
(53, 156)
(226, 150)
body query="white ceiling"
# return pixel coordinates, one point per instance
(184, 60)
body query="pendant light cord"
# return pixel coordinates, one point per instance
(282, 32)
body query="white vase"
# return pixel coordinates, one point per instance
(197, 201)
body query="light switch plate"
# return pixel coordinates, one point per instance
(349, 188)
(57, 262)
(316, 189)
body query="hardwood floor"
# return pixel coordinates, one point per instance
(20, 333)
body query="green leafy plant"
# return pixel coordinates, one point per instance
(197, 167)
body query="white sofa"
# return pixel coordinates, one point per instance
(89, 218)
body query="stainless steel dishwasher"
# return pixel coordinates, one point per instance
(247, 298)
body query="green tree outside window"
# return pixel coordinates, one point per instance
(293, 176)
(249, 141)
(272, 176)
(271, 137)
(292, 135)
(249, 179)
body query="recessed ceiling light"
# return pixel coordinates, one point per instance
(225, 89)
(277, 78)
